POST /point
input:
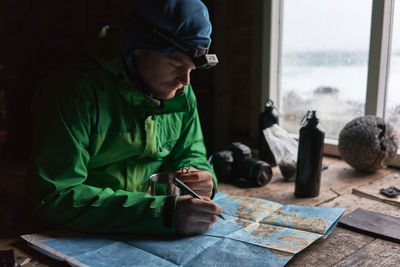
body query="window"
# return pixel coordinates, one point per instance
(324, 61)
(392, 110)
(338, 57)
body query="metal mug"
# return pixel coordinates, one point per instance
(165, 178)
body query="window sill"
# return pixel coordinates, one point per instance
(331, 149)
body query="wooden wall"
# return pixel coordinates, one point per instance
(39, 35)
(233, 22)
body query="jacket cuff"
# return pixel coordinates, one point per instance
(214, 190)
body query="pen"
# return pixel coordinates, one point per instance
(187, 189)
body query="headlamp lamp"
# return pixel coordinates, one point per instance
(201, 58)
(199, 55)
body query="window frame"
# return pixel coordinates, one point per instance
(268, 25)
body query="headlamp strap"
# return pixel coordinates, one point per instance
(192, 52)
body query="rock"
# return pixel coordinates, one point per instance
(367, 143)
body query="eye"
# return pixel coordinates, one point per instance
(175, 64)
(179, 68)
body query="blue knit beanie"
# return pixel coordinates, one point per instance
(187, 20)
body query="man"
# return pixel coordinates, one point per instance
(104, 124)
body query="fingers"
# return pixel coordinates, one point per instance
(198, 180)
(206, 206)
(186, 170)
(195, 215)
(203, 193)
(202, 186)
(202, 217)
(194, 175)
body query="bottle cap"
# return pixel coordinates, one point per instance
(309, 117)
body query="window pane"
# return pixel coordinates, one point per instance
(324, 61)
(393, 97)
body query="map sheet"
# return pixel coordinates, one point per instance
(255, 232)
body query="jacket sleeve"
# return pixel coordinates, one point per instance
(190, 149)
(58, 170)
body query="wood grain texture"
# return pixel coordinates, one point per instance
(338, 246)
(377, 253)
(372, 190)
(351, 202)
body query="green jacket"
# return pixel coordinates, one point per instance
(97, 140)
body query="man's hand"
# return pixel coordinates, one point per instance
(194, 216)
(199, 181)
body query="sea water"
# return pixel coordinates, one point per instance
(334, 83)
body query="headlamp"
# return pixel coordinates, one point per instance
(201, 58)
(199, 55)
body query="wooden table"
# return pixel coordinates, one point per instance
(342, 248)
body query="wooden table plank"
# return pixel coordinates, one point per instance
(372, 190)
(340, 177)
(328, 252)
(377, 253)
(277, 190)
(351, 202)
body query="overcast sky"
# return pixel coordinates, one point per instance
(331, 24)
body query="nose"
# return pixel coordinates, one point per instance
(184, 77)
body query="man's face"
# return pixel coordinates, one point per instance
(163, 74)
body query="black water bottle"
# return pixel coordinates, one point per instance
(267, 118)
(309, 157)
